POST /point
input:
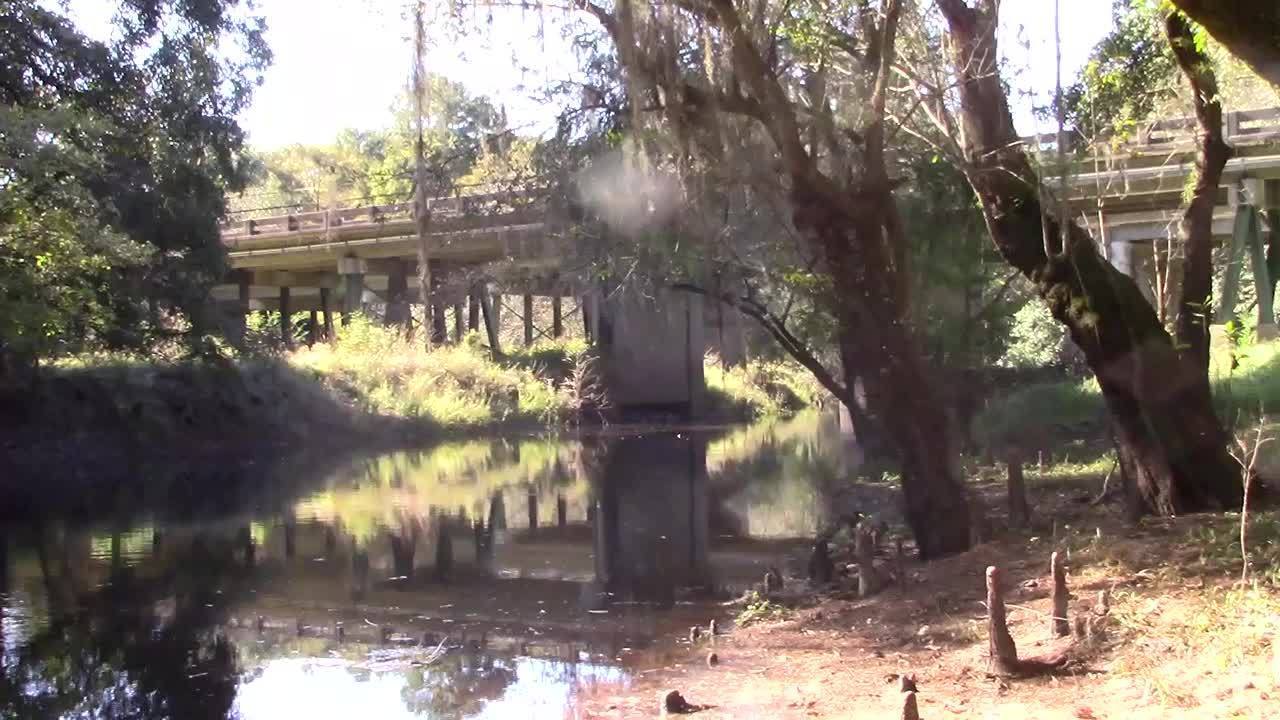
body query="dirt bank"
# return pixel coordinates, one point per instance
(1181, 640)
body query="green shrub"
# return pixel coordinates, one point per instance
(1041, 414)
(759, 388)
(455, 386)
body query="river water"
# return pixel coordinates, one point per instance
(489, 578)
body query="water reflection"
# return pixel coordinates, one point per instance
(482, 579)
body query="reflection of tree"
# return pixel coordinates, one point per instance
(136, 648)
(457, 685)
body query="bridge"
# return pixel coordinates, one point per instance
(1130, 196)
(483, 249)
(488, 245)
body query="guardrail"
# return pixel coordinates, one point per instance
(1237, 126)
(322, 221)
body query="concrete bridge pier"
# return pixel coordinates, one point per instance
(352, 270)
(397, 313)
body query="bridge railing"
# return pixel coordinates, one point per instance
(322, 221)
(1237, 126)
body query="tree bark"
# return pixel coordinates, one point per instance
(852, 221)
(1249, 29)
(1058, 571)
(1168, 437)
(1194, 309)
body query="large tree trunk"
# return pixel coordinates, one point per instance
(1250, 29)
(879, 346)
(1194, 309)
(1168, 437)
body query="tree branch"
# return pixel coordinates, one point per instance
(795, 347)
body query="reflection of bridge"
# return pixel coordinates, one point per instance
(1131, 197)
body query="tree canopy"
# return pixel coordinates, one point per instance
(116, 160)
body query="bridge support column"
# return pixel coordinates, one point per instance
(326, 312)
(459, 325)
(435, 309)
(286, 318)
(237, 323)
(473, 310)
(557, 317)
(528, 319)
(352, 270)
(397, 295)
(490, 314)
(313, 329)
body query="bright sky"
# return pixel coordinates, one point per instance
(342, 63)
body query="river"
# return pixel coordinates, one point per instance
(486, 578)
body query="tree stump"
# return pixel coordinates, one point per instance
(1019, 509)
(1004, 654)
(1061, 626)
(864, 552)
(821, 568)
(910, 710)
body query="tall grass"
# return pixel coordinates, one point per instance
(454, 386)
(1245, 381)
(758, 389)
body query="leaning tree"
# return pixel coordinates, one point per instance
(810, 88)
(1170, 442)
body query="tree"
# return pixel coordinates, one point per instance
(810, 88)
(1250, 30)
(1168, 437)
(114, 160)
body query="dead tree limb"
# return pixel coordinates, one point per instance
(864, 551)
(1061, 628)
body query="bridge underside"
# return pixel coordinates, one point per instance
(1132, 202)
(485, 268)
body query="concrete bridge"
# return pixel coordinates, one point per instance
(488, 252)
(1130, 197)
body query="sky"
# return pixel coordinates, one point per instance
(342, 63)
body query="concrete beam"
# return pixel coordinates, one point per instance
(298, 279)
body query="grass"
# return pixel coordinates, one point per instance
(1245, 381)
(758, 389)
(759, 609)
(454, 386)
(461, 386)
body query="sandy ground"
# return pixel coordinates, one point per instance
(838, 656)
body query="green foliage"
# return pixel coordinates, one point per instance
(466, 142)
(1129, 75)
(760, 609)
(1041, 414)
(1218, 540)
(1036, 338)
(457, 386)
(758, 388)
(1132, 77)
(114, 159)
